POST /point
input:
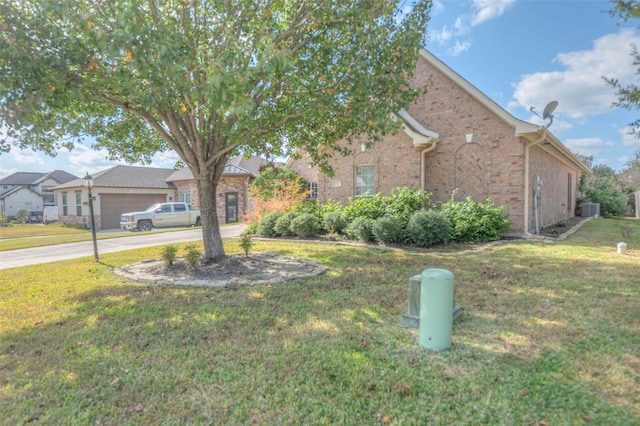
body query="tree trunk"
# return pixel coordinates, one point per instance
(213, 249)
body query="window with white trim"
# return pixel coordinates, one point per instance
(313, 187)
(364, 180)
(64, 204)
(185, 197)
(78, 203)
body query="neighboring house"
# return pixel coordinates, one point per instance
(232, 200)
(116, 190)
(122, 189)
(30, 191)
(455, 138)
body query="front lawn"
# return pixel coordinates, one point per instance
(549, 335)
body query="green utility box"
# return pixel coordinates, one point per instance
(411, 318)
(436, 309)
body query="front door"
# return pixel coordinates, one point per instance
(231, 206)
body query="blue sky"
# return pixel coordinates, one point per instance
(520, 53)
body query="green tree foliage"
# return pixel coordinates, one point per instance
(628, 95)
(612, 201)
(276, 178)
(205, 78)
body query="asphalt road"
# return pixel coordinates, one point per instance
(32, 256)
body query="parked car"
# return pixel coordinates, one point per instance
(160, 215)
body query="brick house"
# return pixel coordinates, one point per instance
(121, 189)
(232, 200)
(456, 138)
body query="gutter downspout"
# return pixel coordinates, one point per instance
(543, 132)
(423, 154)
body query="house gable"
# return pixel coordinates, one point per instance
(470, 147)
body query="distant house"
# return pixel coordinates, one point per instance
(232, 200)
(455, 138)
(122, 189)
(115, 190)
(30, 191)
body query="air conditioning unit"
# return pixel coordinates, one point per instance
(591, 210)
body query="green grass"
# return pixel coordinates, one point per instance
(31, 235)
(550, 332)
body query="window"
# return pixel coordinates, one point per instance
(185, 197)
(47, 196)
(313, 187)
(78, 203)
(65, 212)
(179, 207)
(569, 191)
(364, 181)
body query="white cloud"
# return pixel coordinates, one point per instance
(479, 12)
(486, 10)
(587, 146)
(628, 138)
(4, 172)
(165, 159)
(83, 159)
(25, 157)
(459, 47)
(579, 87)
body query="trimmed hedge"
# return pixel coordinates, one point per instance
(266, 225)
(305, 225)
(428, 227)
(388, 229)
(360, 229)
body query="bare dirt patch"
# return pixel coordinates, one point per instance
(562, 227)
(237, 269)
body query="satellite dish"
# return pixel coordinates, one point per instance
(548, 110)
(547, 114)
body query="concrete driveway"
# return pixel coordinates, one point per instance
(32, 256)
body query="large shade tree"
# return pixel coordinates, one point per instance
(205, 78)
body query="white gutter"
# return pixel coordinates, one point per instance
(421, 137)
(527, 184)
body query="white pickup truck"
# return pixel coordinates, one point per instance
(160, 215)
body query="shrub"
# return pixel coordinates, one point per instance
(250, 229)
(388, 229)
(475, 221)
(428, 227)
(246, 243)
(22, 215)
(305, 225)
(334, 222)
(193, 255)
(169, 253)
(266, 225)
(612, 201)
(403, 202)
(283, 224)
(360, 229)
(312, 207)
(372, 207)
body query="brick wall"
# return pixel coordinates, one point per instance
(554, 205)
(491, 164)
(228, 184)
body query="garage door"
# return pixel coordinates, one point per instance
(113, 205)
